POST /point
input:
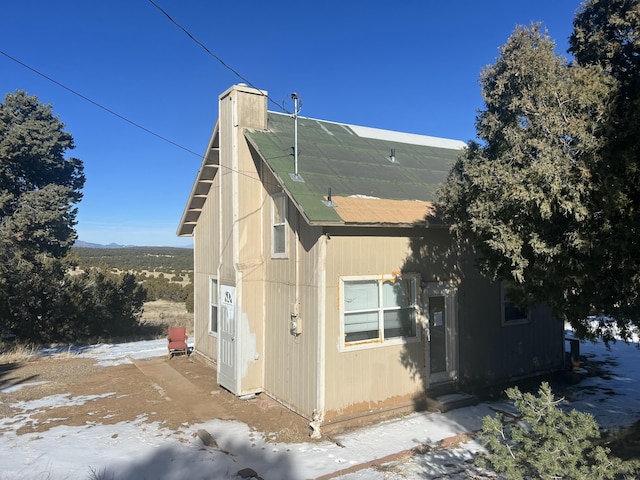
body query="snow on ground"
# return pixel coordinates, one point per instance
(614, 398)
(114, 354)
(142, 449)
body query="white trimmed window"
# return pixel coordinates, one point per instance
(512, 314)
(279, 222)
(213, 314)
(378, 309)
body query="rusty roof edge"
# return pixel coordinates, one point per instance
(380, 225)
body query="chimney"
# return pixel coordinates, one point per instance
(248, 106)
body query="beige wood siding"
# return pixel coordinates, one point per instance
(362, 380)
(491, 352)
(249, 263)
(206, 248)
(291, 368)
(386, 375)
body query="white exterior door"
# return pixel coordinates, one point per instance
(439, 304)
(227, 345)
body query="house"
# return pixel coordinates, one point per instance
(325, 278)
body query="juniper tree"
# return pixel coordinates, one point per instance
(521, 195)
(39, 189)
(607, 35)
(549, 195)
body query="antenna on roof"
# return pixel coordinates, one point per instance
(295, 176)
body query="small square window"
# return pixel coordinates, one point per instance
(279, 222)
(213, 295)
(512, 314)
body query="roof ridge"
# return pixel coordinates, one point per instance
(390, 135)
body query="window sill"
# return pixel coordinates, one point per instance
(370, 344)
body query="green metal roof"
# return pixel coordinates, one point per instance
(351, 161)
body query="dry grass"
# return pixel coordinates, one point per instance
(168, 314)
(159, 313)
(18, 353)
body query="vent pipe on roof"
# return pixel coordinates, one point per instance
(295, 176)
(392, 157)
(329, 202)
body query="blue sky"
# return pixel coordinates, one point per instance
(406, 65)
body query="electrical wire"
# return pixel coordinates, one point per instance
(204, 47)
(108, 110)
(121, 117)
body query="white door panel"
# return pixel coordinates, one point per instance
(227, 345)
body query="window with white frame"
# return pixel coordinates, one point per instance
(378, 309)
(213, 295)
(279, 222)
(512, 314)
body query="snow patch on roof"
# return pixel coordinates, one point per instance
(324, 128)
(364, 196)
(411, 138)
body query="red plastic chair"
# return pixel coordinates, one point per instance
(177, 341)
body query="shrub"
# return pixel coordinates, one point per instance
(97, 304)
(189, 301)
(161, 288)
(546, 442)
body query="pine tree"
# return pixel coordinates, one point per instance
(547, 442)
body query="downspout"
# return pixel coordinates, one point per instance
(297, 288)
(318, 413)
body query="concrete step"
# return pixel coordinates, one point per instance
(450, 401)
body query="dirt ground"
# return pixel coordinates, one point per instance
(174, 392)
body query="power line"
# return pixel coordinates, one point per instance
(137, 125)
(121, 117)
(204, 47)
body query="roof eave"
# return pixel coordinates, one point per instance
(201, 186)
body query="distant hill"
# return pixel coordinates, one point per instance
(81, 244)
(137, 259)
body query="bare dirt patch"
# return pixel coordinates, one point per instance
(177, 392)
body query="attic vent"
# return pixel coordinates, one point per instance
(328, 202)
(392, 156)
